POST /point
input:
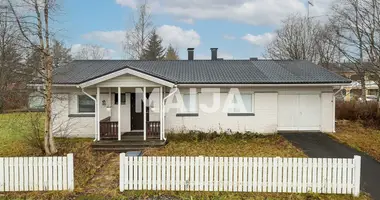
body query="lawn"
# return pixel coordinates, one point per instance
(13, 130)
(97, 174)
(362, 138)
(227, 145)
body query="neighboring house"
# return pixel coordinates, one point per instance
(97, 98)
(354, 91)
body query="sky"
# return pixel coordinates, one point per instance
(239, 28)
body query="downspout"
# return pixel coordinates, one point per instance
(163, 110)
(341, 88)
(96, 125)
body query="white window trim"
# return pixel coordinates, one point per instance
(184, 110)
(252, 104)
(78, 106)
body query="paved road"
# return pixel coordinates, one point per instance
(319, 145)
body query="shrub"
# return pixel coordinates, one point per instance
(366, 112)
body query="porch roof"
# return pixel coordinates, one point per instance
(204, 71)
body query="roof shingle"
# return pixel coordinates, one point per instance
(203, 71)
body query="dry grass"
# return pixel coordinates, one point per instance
(359, 137)
(96, 173)
(226, 145)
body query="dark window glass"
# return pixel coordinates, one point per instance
(123, 99)
(86, 104)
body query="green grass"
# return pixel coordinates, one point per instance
(96, 173)
(14, 128)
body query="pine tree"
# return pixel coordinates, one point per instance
(171, 53)
(154, 49)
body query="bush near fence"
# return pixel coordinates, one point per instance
(366, 112)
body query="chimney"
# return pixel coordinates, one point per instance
(214, 53)
(190, 53)
(253, 59)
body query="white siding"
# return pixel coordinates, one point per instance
(328, 114)
(266, 108)
(63, 125)
(264, 121)
(125, 112)
(127, 81)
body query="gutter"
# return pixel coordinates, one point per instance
(96, 113)
(163, 110)
(341, 88)
(264, 85)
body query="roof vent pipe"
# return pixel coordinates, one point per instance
(214, 53)
(190, 53)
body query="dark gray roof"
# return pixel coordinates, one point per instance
(203, 71)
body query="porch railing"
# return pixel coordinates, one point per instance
(108, 129)
(153, 129)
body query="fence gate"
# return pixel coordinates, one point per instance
(36, 173)
(241, 174)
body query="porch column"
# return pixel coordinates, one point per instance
(144, 110)
(97, 112)
(119, 113)
(109, 109)
(160, 104)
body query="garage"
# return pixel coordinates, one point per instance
(299, 112)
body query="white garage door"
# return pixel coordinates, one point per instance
(299, 112)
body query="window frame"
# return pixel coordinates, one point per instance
(78, 104)
(248, 113)
(116, 98)
(185, 110)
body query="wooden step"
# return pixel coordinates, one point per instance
(120, 146)
(118, 150)
(133, 134)
(129, 143)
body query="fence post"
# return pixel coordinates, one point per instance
(122, 172)
(357, 166)
(70, 171)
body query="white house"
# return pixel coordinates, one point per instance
(102, 99)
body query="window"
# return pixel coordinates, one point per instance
(85, 104)
(242, 104)
(123, 98)
(372, 92)
(190, 103)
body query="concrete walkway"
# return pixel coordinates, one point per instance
(319, 145)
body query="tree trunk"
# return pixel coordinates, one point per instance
(364, 91)
(47, 121)
(49, 69)
(1, 103)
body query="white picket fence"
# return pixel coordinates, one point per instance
(36, 173)
(238, 174)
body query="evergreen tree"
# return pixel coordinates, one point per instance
(154, 49)
(61, 54)
(171, 53)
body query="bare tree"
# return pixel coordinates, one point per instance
(294, 40)
(347, 20)
(11, 67)
(33, 25)
(136, 39)
(91, 52)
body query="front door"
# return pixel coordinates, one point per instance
(137, 115)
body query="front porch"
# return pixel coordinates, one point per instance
(109, 130)
(126, 121)
(130, 141)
